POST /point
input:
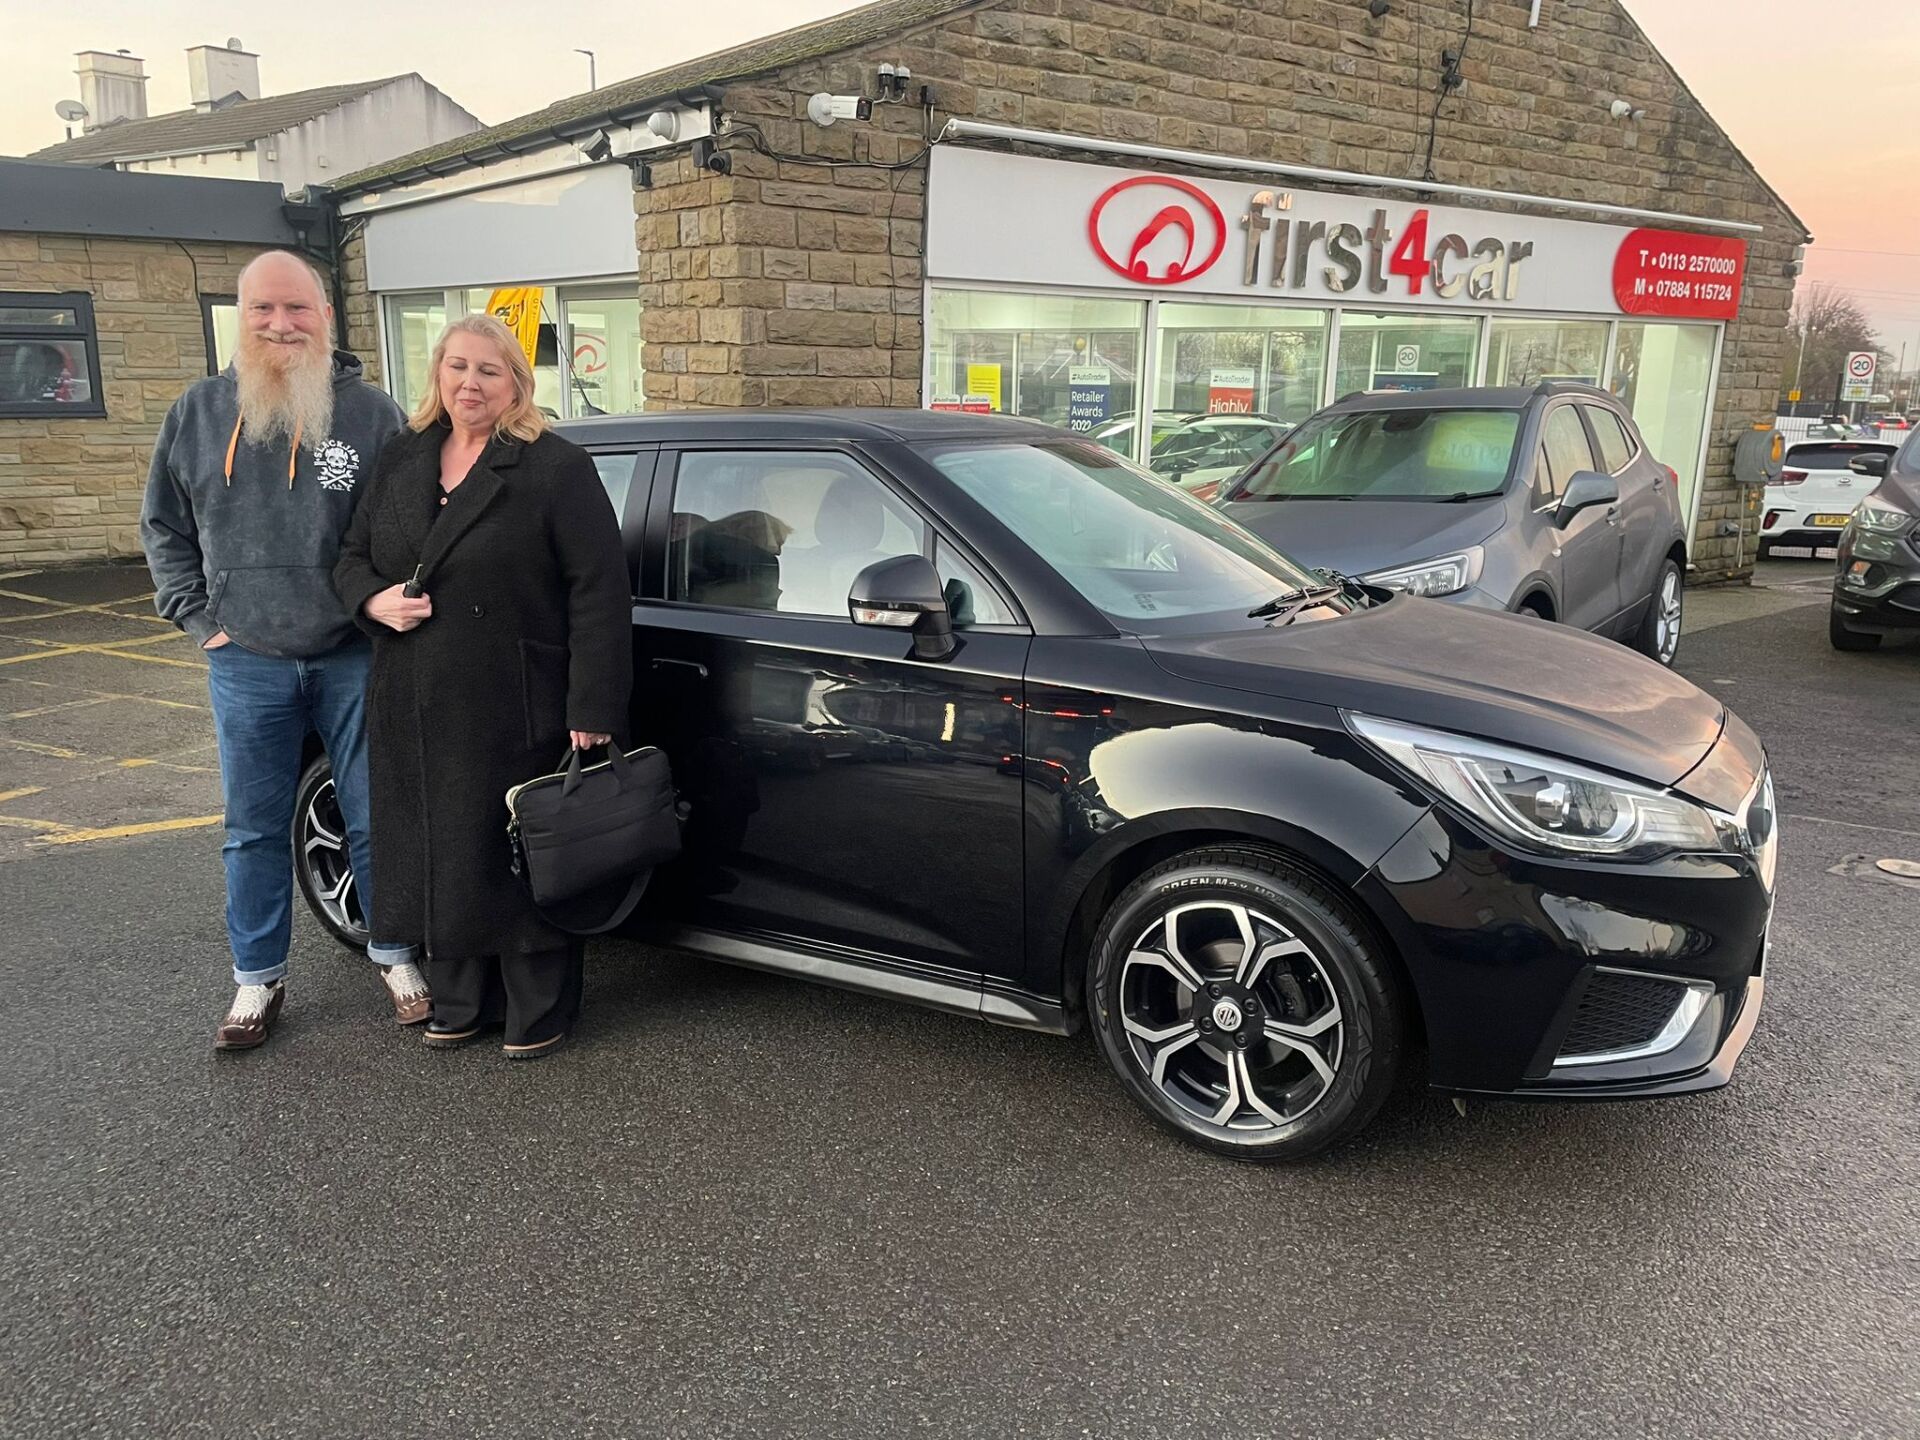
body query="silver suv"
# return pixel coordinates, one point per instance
(1542, 500)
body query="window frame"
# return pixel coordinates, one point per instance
(1627, 432)
(208, 304)
(1540, 451)
(83, 330)
(659, 522)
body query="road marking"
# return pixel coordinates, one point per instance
(120, 832)
(21, 822)
(1849, 825)
(21, 793)
(117, 649)
(58, 752)
(111, 694)
(53, 709)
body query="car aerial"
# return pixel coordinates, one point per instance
(1816, 492)
(1200, 455)
(1102, 760)
(1542, 501)
(1876, 583)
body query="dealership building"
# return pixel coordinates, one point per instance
(1079, 210)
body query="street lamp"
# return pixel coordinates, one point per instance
(593, 80)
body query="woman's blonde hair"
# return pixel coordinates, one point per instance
(522, 419)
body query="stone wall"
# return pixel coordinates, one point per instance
(800, 282)
(70, 489)
(360, 325)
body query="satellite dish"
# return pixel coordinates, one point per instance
(233, 43)
(70, 111)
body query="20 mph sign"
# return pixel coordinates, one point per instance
(1858, 383)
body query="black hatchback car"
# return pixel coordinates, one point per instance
(974, 714)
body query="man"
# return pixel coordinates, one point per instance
(253, 482)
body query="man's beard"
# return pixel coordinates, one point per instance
(284, 390)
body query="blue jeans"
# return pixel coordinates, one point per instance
(263, 708)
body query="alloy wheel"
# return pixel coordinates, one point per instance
(1668, 635)
(325, 860)
(1232, 1017)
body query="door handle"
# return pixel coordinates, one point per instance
(1613, 514)
(661, 663)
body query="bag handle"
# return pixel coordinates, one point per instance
(572, 758)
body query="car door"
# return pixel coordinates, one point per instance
(1586, 551)
(1648, 507)
(844, 795)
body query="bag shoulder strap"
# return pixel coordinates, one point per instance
(636, 888)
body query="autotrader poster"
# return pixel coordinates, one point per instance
(1089, 397)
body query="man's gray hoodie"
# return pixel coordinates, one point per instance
(255, 557)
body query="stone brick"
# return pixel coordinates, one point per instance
(819, 327)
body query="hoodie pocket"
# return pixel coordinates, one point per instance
(543, 692)
(287, 610)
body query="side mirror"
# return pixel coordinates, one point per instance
(1873, 465)
(905, 593)
(1586, 489)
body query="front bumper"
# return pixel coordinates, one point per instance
(1505, 951)
(1876, 586)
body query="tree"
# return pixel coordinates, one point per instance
(1831, 323)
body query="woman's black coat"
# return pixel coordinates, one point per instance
(531, 636)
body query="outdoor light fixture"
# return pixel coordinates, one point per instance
(665, 124)
(596, 145)
(1623, 110)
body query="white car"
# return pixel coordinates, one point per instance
(1816, 492)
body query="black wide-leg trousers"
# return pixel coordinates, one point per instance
(536, 996)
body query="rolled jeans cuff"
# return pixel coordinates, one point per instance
(260, 977)
(382, 954)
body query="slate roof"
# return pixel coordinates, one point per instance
(232, 127)
(579, 113)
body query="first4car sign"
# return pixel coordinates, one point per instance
(1087, 225)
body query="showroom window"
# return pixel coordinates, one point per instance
(220, 327)
(49, 355)
(1663, 372)
(1405, 352)
(414, 323)
(1069, 361)
(1525, 352)
(1264, 364)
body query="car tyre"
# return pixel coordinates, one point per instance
(1845, 639)
(1659, 635)
(321, 865)
(1245, 1006)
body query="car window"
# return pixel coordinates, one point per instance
(970, 599)
(1397, 454)
(781, 530)
(616, 473)
(1833, 455)
(1616, 446)
(1564, 450)
(1151, 558)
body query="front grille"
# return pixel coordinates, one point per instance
(1620, 1012)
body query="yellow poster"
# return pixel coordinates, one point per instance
(519, 310)
(985, 380)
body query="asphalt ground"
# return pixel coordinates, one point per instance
(744, 1206)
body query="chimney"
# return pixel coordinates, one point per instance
(112, 87)
(217, 72)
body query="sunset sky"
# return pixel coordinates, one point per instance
(1824, 98)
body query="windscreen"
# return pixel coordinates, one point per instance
(1417, 454)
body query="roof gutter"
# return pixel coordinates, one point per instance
(982, 130)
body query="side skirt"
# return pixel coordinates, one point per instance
(953, 992)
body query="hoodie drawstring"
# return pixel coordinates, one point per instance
(293, 455)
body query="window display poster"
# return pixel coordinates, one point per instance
(1089, 397)
(984, 379)
(1230, 391)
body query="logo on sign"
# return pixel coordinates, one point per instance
(1157, 230)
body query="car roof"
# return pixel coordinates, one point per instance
(1470, 397)
(912, 426)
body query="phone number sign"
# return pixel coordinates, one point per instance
(1671, 272)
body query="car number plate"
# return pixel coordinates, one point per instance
(1828, 522)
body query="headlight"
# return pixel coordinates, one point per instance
(1444, 576)
(1881, 519)
(1550, 806)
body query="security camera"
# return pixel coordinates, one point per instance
(1379, 9)
(709, 156)
(823, 109)
(595, 144)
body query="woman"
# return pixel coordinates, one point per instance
(519, 643)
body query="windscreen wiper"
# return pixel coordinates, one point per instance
(1282, 608)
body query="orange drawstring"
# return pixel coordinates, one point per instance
(293, 455)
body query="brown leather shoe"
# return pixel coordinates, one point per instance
(254, 1009)
(412, 1001)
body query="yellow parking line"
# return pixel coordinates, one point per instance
(114, 695)
(52, 709)
(117, 649)
(21, 793)
(21, 822)
(120, 832)
(58, 752)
